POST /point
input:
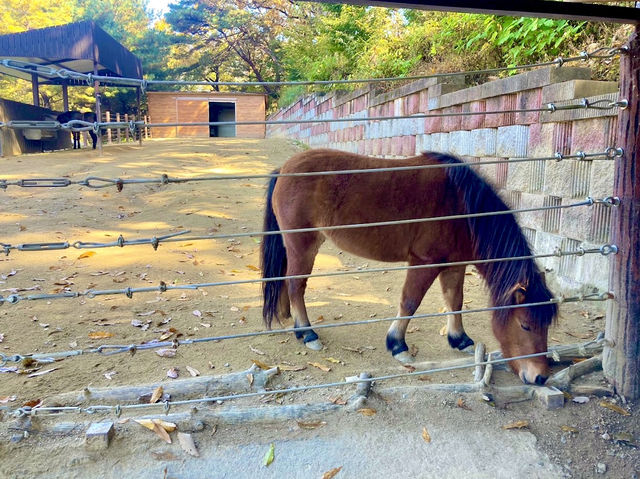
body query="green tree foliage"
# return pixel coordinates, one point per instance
(272, 40)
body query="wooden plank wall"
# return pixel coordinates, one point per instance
(176, 107)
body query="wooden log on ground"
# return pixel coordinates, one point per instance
(253, 379)
(562, 379)
(479, 358)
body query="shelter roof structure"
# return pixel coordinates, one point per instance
(82, 47)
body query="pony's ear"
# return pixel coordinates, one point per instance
(520, 293)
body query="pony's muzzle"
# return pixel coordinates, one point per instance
(539, 380)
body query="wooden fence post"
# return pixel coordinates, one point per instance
(126, 130)
(621, 360)
(118, 138)
(108, 118)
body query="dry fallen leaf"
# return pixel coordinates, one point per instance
(253, 268)
(40, 373)
(334, 360)
(615, 408)
(425, 435)
(443, 330)
(260, 364)
(157, 394)
(311, 425)
(322, 367)
(173, 373)
(167, 426)
(187, 444)
(517, 425)
(338, 400)
(332, 473)
(250, 379)
(193, 371)
(287, 367)
(257, 351)
(462, 405)
(164, 456)
(568, 429)
(87, 254)
(161, 432)
(366, 411)
(148, 423)
(166, 353)
(7, 399)
(100, 335)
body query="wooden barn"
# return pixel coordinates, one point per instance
(197, 107)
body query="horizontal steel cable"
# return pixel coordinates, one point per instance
(111, 349)
(166, 405)
(99, 183)
(51, 72)
(604, 250)
(81, 125)
(173, 237)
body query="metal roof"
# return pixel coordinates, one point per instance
(74, 46)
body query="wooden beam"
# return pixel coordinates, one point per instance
(621, 361)
(65, 97)
(522, 8)
(96, 90)
(35, 89)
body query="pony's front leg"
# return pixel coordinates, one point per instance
(416, 284)
(452, 282)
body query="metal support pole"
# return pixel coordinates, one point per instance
(96, 89)
(65, 97)
(139, 114)
(35, 88)
(621, 359)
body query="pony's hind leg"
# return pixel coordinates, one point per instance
(452, 281)
(416, 284)
(301, 253)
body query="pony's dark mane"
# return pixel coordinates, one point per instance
(499, 236)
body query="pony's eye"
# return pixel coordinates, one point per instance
(525, 327)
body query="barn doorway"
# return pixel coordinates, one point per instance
(222, 111)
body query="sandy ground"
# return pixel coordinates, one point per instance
(76, 213)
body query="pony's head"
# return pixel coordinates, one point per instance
(523, 330)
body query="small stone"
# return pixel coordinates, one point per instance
(606, 436)
(99, 435)
(601, 468)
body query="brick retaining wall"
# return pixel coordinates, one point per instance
(485, 136)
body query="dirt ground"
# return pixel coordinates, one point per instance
(76, 213)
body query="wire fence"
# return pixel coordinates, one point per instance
(155, 241)
(112, 349)
(96, 182)
(81, 125)
(604, 53)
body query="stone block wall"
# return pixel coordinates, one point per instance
(491, 129)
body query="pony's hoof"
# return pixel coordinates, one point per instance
(460, 342)
(404, 357)
(315, 345)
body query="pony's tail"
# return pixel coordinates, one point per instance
(273, 262)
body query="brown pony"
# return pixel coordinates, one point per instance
(295, 202)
